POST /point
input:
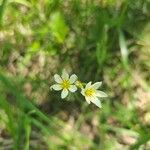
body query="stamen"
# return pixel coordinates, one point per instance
(89, 92)
(65, 84)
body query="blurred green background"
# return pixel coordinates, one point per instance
(99, 40)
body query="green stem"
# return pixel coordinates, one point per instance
(2, 8)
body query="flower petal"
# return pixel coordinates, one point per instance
(51, 87)
(57, 78)
(88, 85)
(64, 93)
(96, 101)
(97, 85)
(65, 75)
(101, 94)
(72, 88)
(73, 78)
(82, 92)
(88, 100)
(56, 87)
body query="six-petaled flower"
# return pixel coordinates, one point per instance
(65, 83)
(92, 94)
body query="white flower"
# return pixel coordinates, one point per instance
(65, 83)
(92, 94)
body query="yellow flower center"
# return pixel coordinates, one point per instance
(65, 84)
(89, 92)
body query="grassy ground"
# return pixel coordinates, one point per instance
(98, 40)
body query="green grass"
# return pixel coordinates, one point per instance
(100, 40)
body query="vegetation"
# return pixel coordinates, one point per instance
(99, 40)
